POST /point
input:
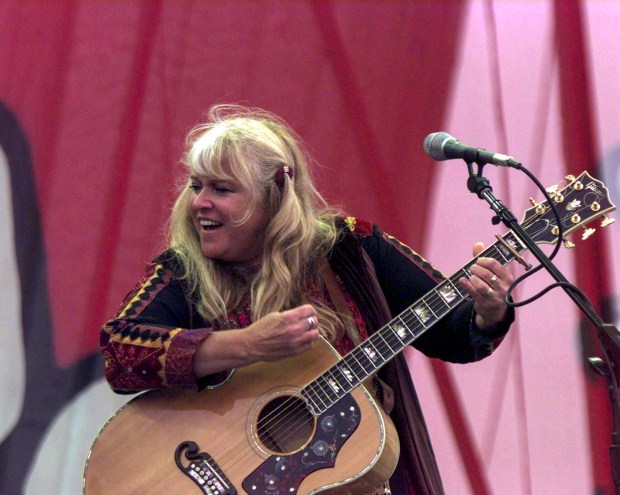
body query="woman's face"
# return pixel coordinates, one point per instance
(216, 208)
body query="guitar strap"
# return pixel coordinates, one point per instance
(382, 391)
(338, 298)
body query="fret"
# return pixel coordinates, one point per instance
(328, 393)
(416, 318)
(466, 270)
(311, 397)
(515, 242)
(347, 373)
(334, 384)
(422, 312)
(361, 372)
(401, 330)
(505, 254)
(385, 336)
(361, 357)
(448, 293)
(347, 370)
(317, 394)
(437, 306)
(313, 405)
(372, 353)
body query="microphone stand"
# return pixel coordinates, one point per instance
(608, 334)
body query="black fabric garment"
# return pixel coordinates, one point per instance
(379, 274)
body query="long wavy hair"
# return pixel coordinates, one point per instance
(252, 146)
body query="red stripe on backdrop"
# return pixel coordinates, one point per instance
(464, 437)
(56, 92)
(580, 145)
(354, 105)
(39, 93)
(116, 197)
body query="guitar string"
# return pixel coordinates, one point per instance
(438, 302)
(294, 409)
(434, 301)
(380, 342)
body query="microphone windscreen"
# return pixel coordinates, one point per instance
(434, 145)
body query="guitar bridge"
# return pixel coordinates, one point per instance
(203, 470)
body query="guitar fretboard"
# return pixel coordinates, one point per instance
(401, 331)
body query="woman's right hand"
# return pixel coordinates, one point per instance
(280, 335)
(273, 337)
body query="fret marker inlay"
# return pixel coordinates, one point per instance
(348, 375)
(332, 383)
(400, 331)
(448, 293)
(370, 353)
(422, 313)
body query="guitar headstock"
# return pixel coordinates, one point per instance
(579, 201)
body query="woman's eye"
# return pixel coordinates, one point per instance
(195, 187)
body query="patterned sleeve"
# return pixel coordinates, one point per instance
(151, 342)
(405, 277)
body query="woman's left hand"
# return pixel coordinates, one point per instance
(487, 286)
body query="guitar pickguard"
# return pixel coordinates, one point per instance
(282, 474)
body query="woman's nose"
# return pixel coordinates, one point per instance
(202, 200)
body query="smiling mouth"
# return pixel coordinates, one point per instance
(209, 224)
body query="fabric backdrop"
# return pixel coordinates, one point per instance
(96, 97)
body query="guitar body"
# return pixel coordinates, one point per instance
(254, 434)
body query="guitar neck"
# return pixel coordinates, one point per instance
(401, 331)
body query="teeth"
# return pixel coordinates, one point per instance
(209, 223)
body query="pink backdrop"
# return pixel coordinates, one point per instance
(101, 93)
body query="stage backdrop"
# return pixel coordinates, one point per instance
(96, 98)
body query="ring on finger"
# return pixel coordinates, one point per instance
(489, 292)
(493, 280)
(311, 322)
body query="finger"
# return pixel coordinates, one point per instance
(478, 288)
(492, 272)
(469, 287)
(478, 248)
(305, 321)
(299, 313)
(490, 264)
(484, 275)
(312, 322)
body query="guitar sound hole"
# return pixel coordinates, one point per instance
(285, 424)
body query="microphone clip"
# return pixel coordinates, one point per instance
(477, 183)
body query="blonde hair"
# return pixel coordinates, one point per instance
(252, 146)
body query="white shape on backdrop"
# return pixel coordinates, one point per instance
(12, 364)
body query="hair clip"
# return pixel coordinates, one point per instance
(280, 175)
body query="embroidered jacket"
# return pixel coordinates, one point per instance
(151, 342)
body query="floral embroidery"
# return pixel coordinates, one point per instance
(350, 221)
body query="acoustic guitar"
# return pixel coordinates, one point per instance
(303, 425)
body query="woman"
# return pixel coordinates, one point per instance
(258, 267)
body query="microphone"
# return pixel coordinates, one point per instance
(442, 146)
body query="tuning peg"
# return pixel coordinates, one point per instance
(607, 221)
(587, 233)
(568, 244)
